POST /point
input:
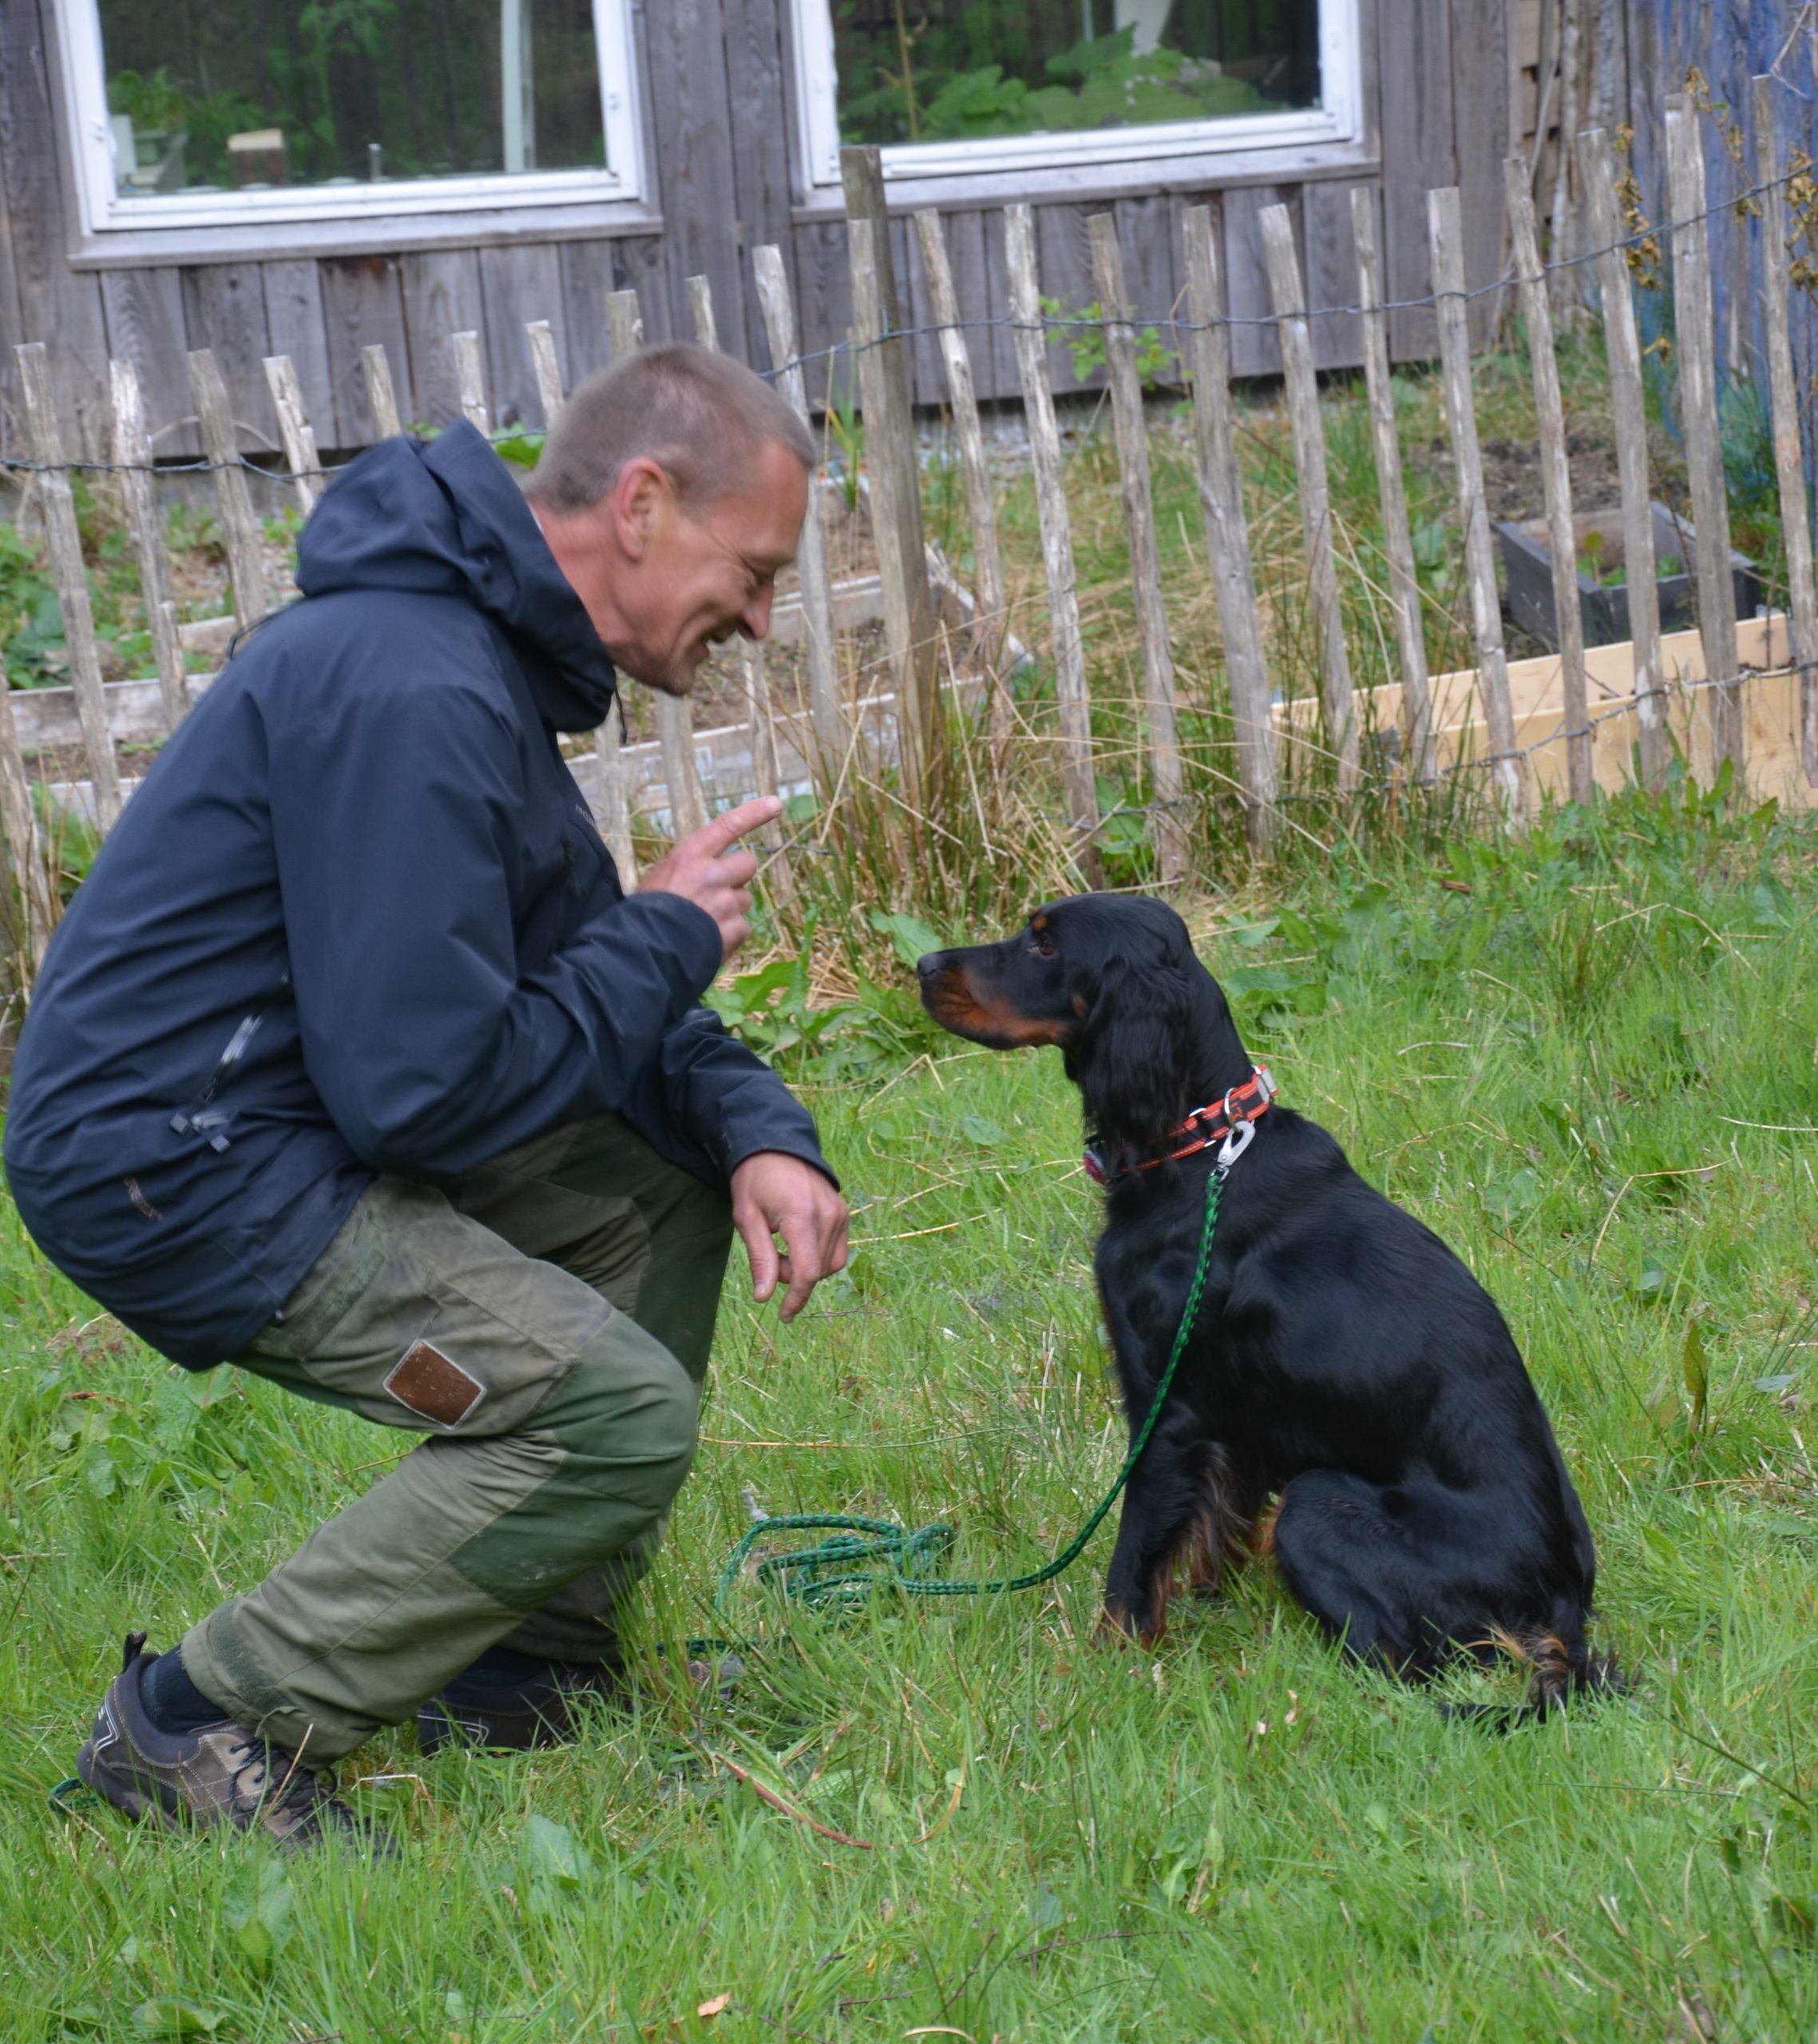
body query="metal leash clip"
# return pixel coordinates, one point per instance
(1238, 1139)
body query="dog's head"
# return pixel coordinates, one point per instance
(1113, 982)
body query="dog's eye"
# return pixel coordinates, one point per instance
(1042, 945)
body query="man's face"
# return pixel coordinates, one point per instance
(705, 571)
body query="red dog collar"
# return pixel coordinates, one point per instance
(1203, 1127)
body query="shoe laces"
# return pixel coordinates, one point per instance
(297, 1791)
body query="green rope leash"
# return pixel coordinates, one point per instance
(826, 1573)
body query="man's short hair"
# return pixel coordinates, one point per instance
(703, 417)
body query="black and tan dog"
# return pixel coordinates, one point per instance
(1344, 1360)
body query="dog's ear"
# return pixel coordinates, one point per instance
(1132, 1058)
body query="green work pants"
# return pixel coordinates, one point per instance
(545, 1322)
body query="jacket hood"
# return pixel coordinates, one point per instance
(445, 517)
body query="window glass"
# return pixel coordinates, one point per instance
(225, 95)
(948, 70)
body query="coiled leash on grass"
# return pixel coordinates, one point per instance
(822, 1574)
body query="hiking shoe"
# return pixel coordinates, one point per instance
(519, 1716)
(219, 1774)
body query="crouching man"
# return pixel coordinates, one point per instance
(351, 1064)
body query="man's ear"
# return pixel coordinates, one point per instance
(638, 500)
(1134, 1050)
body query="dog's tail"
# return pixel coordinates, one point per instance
(1559, 1670)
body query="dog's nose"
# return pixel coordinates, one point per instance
(930, 963)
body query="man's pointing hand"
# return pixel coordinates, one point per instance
(705, 870)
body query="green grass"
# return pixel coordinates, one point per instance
(1553, 1053)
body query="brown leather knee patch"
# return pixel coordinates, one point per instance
(433, 1386)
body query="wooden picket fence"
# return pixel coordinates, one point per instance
(1632, 732)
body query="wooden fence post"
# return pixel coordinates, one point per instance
(1057, 539)
(824, 710)
(674, 713)
(1315, 491)
(1622, 356)
(381, 398)
(1446, 234)
(763, 723)
(246, 567)
(132, 450)
(1227, 532)
(72, 581)
(991, 623)
(1695, 333)
(614, 800)
(1132, 433)
(624, 323)
(1555, 475)
(293, 424)
(542, 340)
(1398, 544)
(470, 379)
(893, 472)
(24, 841)
(1789, 459)
(914, 675)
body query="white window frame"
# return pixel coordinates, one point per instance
(1338, 118)
(105, 210)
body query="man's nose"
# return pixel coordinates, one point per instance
(754, 620)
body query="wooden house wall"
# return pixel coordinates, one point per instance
(1438, 81)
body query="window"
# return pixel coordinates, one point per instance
(201, 112)
(950, 86)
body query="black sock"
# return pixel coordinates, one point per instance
(172, 1701)
(501, 1668)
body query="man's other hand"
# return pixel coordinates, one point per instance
(773, 1194)
(705, 870)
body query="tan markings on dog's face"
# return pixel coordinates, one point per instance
(993, 1022)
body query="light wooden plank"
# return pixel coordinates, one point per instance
(1508, 769)
(1555, 475)
(1695, 333)
(675, 731)
(382, 402)
(58, 506)
(133, 449)
(470, 379)
(701, 313)
(1622, 358)
(825, 710)
(616, 817)
(548, 373)
(24, 841)
(294, 429)
(240, 529)
(992, 620)
(1227, 530)
(1160, 712)
(624, 321)
(894, 472)
(1789, 456)
(1315, 491)
(1398, 545)
(896, 572)
(1057, 541)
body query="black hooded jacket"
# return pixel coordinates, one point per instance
(357, 919)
